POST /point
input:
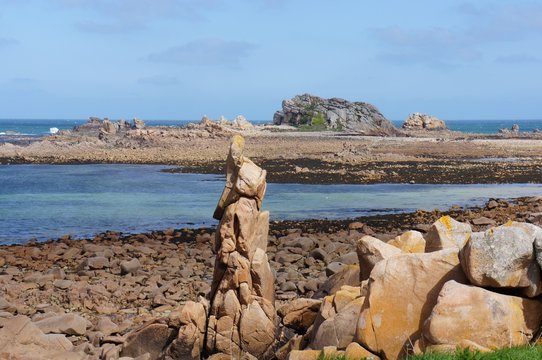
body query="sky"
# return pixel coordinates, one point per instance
(182, 59)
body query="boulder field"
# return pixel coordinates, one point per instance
(477, 290)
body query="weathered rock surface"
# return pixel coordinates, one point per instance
(370, 252)
(69, 324)
(349, 275)
(411, 241)
(447, 233)
(300, 313)
(21, 339)
(504, 257)
(466, 314)
(419, 121)
(152, 338)
(137, 123)
(334, 114)
(355, 351)
(189, 342)
(129, 266)
(402, 291)
(338, 329)
(304, 355)
(242, 318)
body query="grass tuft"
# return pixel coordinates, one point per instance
(515, 353)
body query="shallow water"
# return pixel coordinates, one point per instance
(48, 201)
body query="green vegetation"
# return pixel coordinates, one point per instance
(322, 357)
(317, 122)
(308, 115)
(318, 119)
(517, 353)
(304, 128)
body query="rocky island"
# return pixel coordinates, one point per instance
(419, 121)
(335, 114)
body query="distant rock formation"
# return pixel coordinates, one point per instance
(514, 129)
(419, 121)
(337, 114)
(100, 127)
(240, 123)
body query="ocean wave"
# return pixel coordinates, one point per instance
(53, 130)
(10, 133)
(13, 133)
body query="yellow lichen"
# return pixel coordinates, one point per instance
(447, 221)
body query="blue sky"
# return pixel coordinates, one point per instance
(181, 59)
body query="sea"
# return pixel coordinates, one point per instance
(41, 202)
(48, 201)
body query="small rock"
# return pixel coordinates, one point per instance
(6, 306)
(94, 263)
(334, 268)
(62, 284)
(69, 324)
(492, 204)
(356, 225)
(129, 266)
(482, 220)
(319, 254)
(356, 351)
(106, 326)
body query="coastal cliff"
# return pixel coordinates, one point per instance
(335, 114)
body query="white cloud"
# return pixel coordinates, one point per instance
(205, 52)
(438, 46)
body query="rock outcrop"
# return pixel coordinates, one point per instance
(416, 301)
(469, 316)
(503, 257)
(22, 339)
(104, 127)
(514, 129)
(334, 114)
(447, 233)
(242, 319)
(419, 121)
(402, 291)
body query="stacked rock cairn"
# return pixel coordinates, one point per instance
(242, 319)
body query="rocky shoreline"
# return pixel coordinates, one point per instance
(113, 283)
(301, 157)
(137, 296)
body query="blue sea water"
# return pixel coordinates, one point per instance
(487, 126)
(48, 201)
(41, 127)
